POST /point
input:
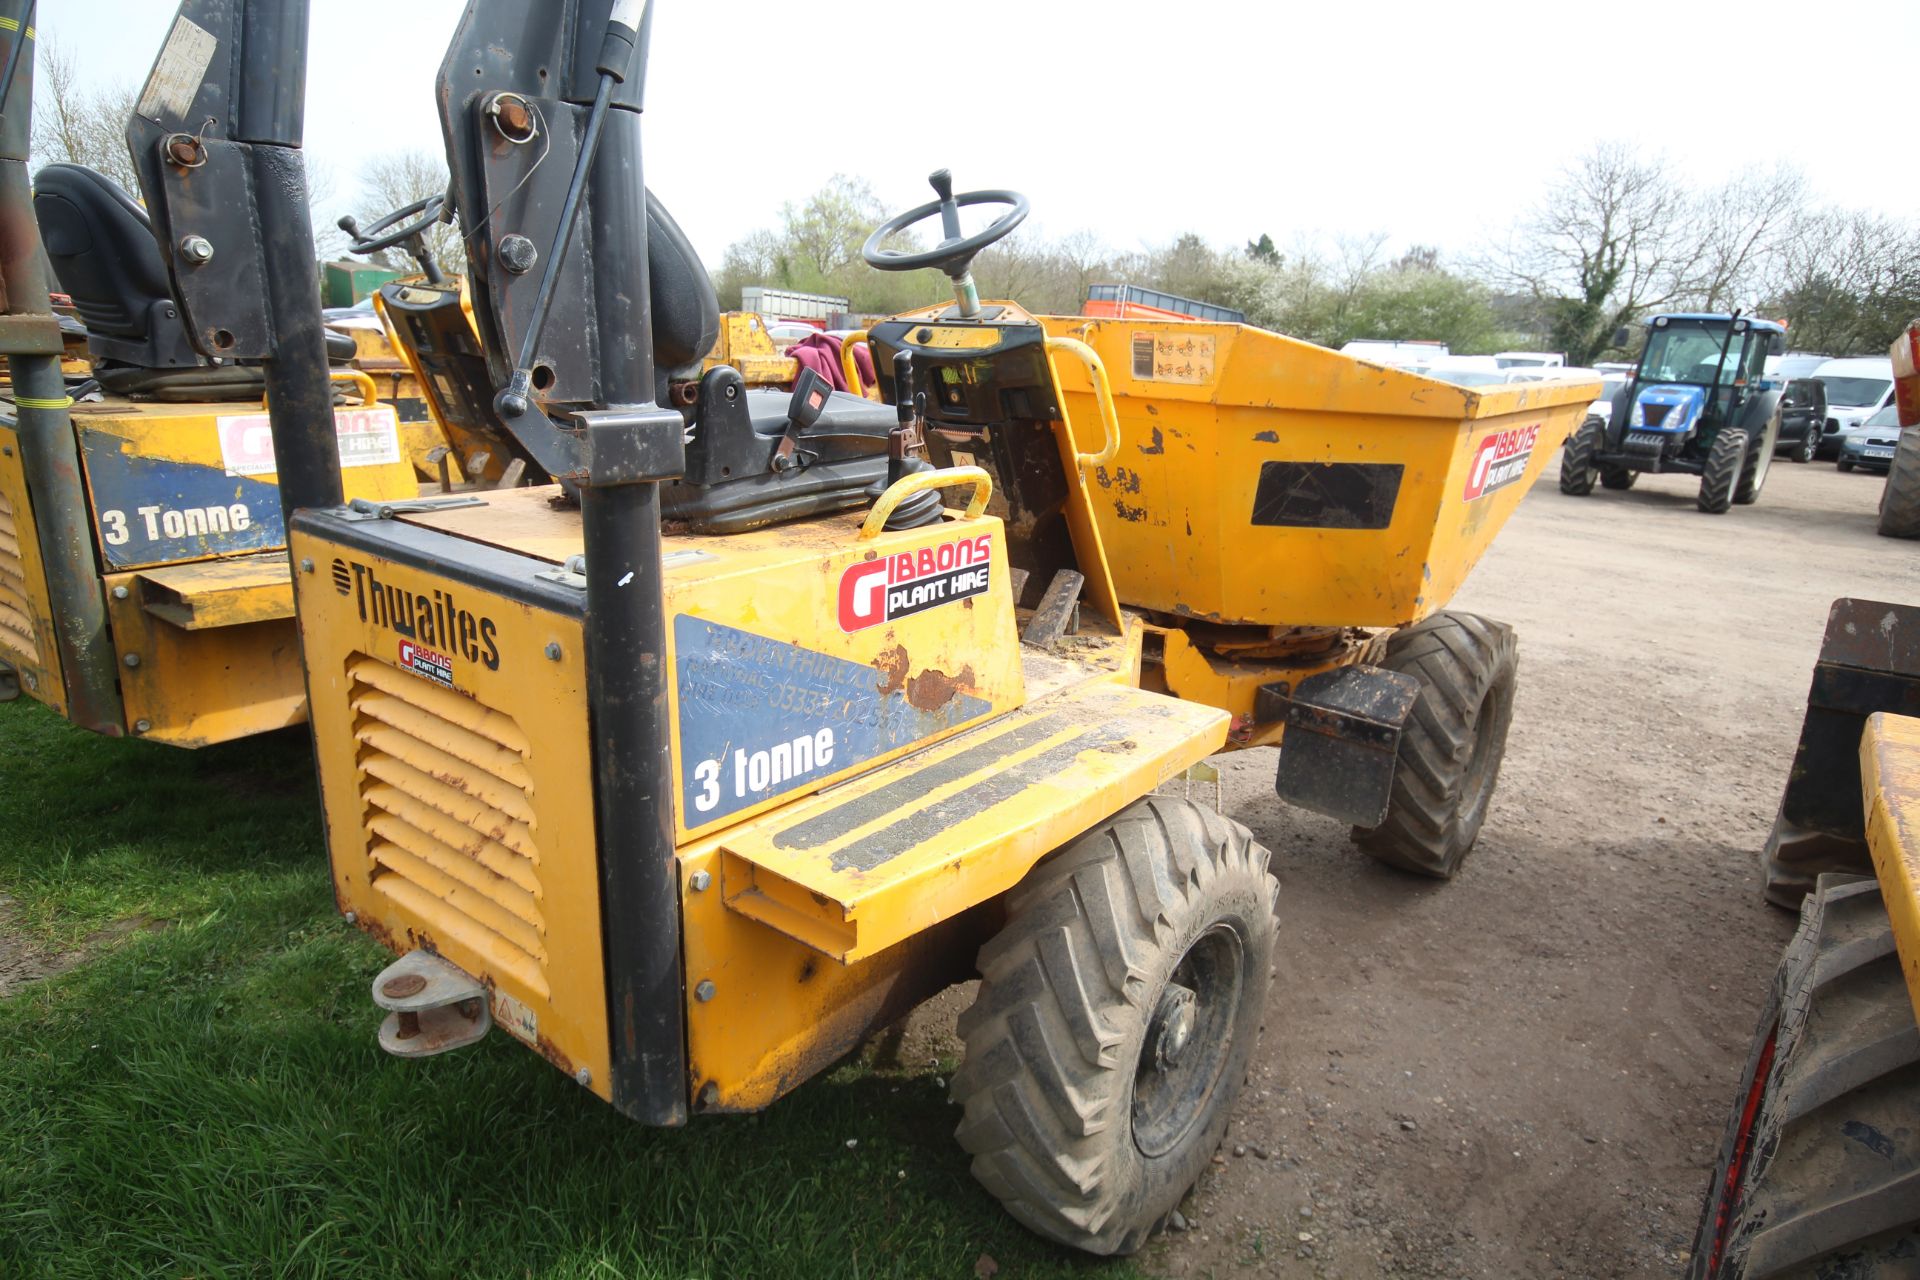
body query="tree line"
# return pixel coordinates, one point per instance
(1615, 236)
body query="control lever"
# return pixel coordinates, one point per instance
(810, 392)
(922, 508)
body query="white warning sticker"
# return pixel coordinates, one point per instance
(177, 72)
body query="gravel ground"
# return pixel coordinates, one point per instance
(1525, 1071)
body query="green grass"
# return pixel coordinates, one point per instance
(202, 1096)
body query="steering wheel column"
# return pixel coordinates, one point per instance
(955, 253)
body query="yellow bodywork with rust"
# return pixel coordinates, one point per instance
(816, 900)
(1263, 480)
(1890, 785)
(190, 550)
(744, 344)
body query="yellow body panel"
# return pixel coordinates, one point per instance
(195, 687)
(1231, 498)
(1233, 683)
(1890, 783)
(460, 813)
(26, 616)
(766, 609)
(868, 865)
(375, 353)
(219, 593)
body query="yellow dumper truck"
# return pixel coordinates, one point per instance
(772, 715)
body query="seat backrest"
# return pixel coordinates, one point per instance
(686, 310)
(103, 253)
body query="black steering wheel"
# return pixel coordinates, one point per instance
(379, 236)
(955, 253)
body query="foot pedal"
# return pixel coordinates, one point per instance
(433, 1006)
(1059, 611)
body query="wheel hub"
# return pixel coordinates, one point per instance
(1172, 1025)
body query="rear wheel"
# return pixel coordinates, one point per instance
(1117, 1010)
(1819, 1172)
(1753, 477)
(1577, 470)
(1451, 748)
(1618, 477)
(1725, 460)
(1900, 502)
(1809, 444)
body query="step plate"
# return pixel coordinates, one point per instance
(856, 869)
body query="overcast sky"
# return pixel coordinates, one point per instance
(1433, 123)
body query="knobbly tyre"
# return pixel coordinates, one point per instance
(1819, 1172)
(693, 813)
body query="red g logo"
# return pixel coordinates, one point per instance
(863, 595)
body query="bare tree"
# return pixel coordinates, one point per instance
(73, 124)
(399, 178)
(1741, 229)
(1607, 243)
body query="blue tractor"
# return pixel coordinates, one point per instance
(1699, 404)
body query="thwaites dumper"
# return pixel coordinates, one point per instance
(695, 767)
(1819, 1172)
(1697, 404)
(144, 586)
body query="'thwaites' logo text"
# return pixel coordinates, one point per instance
(435, 620)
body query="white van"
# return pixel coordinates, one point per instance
(1530, 359)
(1389, 351)
(1857, 388)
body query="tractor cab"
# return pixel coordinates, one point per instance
(1694, 374)
(1699, 403)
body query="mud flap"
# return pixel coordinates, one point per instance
(1869, 661)
(1342, 740)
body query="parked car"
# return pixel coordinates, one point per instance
(1857, 388)
(1803, 418)
(1529, 359)
(1870, 445)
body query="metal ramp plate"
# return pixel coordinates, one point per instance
(219, 593)
(853, 870)
(1890, 781)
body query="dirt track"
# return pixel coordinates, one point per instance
(1524, 1072)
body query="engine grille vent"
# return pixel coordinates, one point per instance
(448, 804)
(16, 618)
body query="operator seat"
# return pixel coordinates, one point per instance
(104, 255)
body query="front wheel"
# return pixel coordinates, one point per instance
(1577, 469)
(1726, 460)
(1844, 464)
(1450, 751)
(1116, 1013)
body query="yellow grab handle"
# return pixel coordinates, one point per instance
(920, 481)
(362, 382)
(1102, 392)
(850, 368)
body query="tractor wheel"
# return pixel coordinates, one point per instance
(1900, 501)
(1725, 461)
(1118, 1007)
(1577, 470)
(1753, 477)
(1618, 477)
(1819, 1172)
(1450, 750)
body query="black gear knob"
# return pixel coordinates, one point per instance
(942, 182)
